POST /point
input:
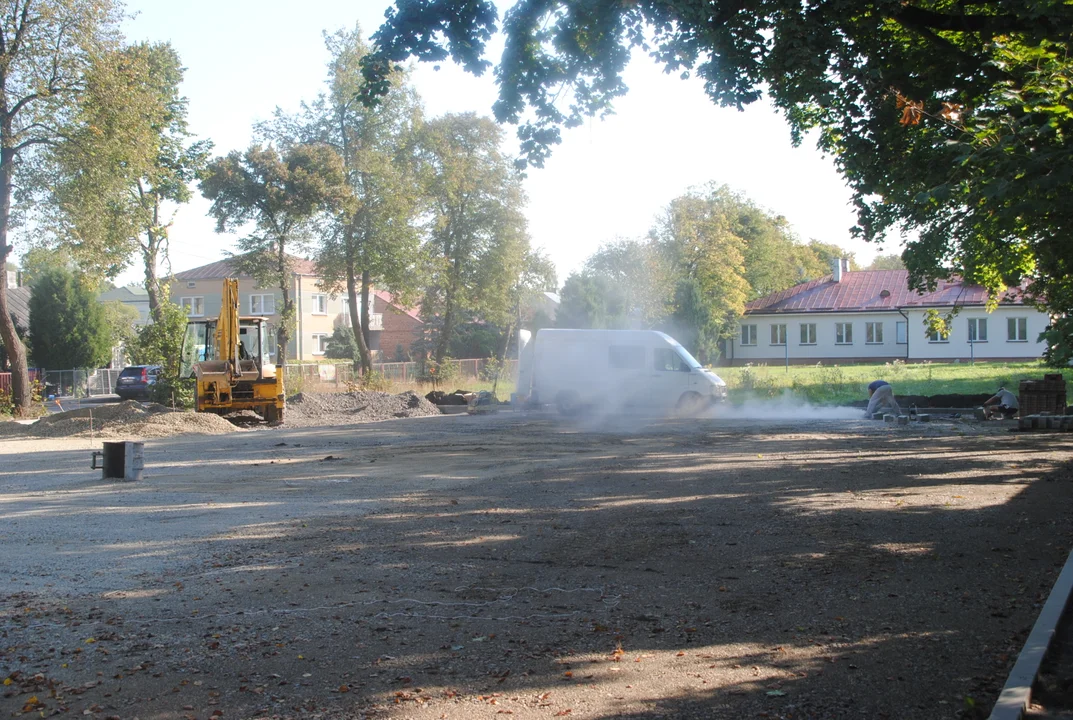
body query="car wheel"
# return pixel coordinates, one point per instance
(690, 404)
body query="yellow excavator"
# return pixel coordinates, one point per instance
(229, 359)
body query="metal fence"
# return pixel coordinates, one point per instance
(81, 382)
(5, 380)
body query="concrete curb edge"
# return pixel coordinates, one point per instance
(1014, 699)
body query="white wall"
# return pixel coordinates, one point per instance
(996, 347)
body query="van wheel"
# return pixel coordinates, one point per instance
(568, 403)
(690, 404)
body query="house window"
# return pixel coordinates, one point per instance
(748, 334)
(778, 334)
(1017, 329)
(873, 333)
(320, 304)
(194, 306)
(843, 333)
(936, 337)
(262, 304)
(977, 330)
(808, 333)
(626, 357)
(320, 343)
(901, 332)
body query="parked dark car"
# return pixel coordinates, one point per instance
(136, 381)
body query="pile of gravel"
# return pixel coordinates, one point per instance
(123, 421)
(311, 409)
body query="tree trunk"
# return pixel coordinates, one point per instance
(366, 308)
(150, 255)
(448, 312)
(16, 351)
(364, 362)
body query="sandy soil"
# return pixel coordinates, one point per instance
(475, 567)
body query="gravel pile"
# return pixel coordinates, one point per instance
(308, 409)
(122, 421)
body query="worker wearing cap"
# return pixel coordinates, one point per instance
(881, 398)
(1002, 405)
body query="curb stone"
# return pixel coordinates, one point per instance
(1017, 693)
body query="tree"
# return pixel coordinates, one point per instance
(45, 48)
(477, 239)
(886, 262)
(698, 240)
(126, 158)
(637, 271)
(952, 121)
(282, 196)
(68, 326)
(374, 238)
(591, 301)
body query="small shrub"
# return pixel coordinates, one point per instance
(437, 373)
(375, 382)
(7, 407)
(491, 370)
(174, 392)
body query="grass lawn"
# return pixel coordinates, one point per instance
(839, 384)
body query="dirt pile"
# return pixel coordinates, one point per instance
(125, 420)
(312, 409)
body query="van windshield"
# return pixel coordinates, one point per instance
(687, 358)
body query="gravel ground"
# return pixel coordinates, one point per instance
(474, 567)
(127, 420)
(317, 409)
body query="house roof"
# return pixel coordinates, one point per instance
(128, 293)
(18, 304)
(871, 290)
(387, 297)
(226, 268)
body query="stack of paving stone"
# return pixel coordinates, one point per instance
(1043, 396)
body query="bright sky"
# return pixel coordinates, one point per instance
(608, 179)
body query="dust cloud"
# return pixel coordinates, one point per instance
(786, 407)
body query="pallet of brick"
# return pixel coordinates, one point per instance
(1043, 396)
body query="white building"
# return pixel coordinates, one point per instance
(872, 316)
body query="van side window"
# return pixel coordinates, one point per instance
(626, 357)
(666, 359)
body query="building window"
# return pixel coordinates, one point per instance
(901, 331)
(748, 334)
(194, 306)
(778, 334)
(977, 330)
(808, 333)
(937, 337)
(320, 343)
(626, 357)
(262, 304)
(843, 333)
(1017, 329)
(873, 333)
(320, 304)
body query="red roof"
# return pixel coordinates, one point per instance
(387, 297)
(870, 290)
(226, 268)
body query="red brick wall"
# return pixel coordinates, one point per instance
(399, 329)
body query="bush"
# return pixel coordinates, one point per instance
(342, 345)
(436, 373)
(174, 392)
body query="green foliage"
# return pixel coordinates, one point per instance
(591, 301)
(375, 382)
(161, 341)
(950, 121)
(342, 345)
(68, 326)
(439, 374)
(476, 340)
(127, 152)
(120, 320)
(175, 392)
(886, 262)
(477, 243)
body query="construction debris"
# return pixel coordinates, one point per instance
(122, 421)
(309, 409)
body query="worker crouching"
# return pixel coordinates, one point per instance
(881, 399)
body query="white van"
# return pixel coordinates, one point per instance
(611, 369)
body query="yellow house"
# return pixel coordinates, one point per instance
(317, 313)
